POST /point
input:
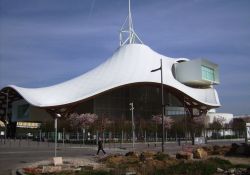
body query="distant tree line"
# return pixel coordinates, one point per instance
(175, 127)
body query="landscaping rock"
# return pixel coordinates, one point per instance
(86, 168)
(142, 157)
(51, 169)
(239, 150)
(233, 149)
(161, 156)
(132, 153)
(184, 155)
(219, 170)
(216, 150)
(113, 160)
(208, 149)
(147, 155)
(200, 153)
(233, 171)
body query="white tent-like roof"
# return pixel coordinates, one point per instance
(131, 63)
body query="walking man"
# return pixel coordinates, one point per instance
(100, 147)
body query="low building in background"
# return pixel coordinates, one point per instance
(224, 119)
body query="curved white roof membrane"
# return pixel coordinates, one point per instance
(131, 63)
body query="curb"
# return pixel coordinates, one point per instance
(13, 172)
(17, 172)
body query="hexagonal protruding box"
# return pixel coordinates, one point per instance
(198, 72)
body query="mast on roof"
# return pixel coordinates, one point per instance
(127, 33)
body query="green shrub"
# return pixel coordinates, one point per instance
(207, 167)
(161, 156)
(94, 172)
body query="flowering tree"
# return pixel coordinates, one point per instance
(156, 119)
(82, 120)
(167, 121)
(199, 120)
(73, 120)
(102, 123)
(198, 123)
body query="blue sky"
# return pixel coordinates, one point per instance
(44, 42)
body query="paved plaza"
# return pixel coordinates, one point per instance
(17, 153)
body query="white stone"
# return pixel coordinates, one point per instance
(219, 170)
(57, 161)
(130, 173)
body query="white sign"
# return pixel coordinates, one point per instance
(199, 140)
(248, 130)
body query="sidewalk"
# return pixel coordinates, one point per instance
(20, 152)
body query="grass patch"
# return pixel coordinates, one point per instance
(161, 156)
(192, 168)
(92, 172)
(207, 167)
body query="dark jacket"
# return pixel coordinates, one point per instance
(100, 146)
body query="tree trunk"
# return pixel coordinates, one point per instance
(97, 137)
(193, 137)
(155, 137)
(122, 137)
(166, 135)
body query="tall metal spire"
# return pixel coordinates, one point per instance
(127, 33)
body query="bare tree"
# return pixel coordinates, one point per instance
(199, 123)
(238, 126)
(217, 124)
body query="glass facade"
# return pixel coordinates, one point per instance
(146, 99)
(207, 73)
(22, 111)
(175, 111)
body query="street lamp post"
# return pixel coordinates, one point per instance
(162, 105)
(6, 115)
(185, 117)
(57, 116)
(133, 123)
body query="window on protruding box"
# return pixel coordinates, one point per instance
(207, 73)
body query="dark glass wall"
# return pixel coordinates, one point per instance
(146, 98)
(85, 107)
